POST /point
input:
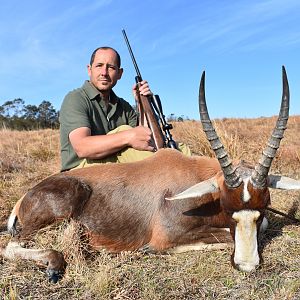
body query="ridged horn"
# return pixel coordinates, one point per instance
(260, 174)
(232, 179)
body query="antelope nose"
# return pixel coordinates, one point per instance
(246, 267)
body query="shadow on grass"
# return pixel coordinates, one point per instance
(278, 222)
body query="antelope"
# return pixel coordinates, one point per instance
(165, 203)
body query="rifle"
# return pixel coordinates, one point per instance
(150, 109)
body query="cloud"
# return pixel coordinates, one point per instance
(232, 26)
(45, 38)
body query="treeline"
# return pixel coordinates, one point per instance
(174, 118)
(17, 115)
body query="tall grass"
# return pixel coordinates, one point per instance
(28, 157)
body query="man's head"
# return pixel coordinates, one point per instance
(104, 69)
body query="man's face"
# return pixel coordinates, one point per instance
(104, 72)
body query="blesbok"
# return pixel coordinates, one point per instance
(168, 202)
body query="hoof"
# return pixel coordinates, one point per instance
(54, 275)
(13, 231)
(147, 249)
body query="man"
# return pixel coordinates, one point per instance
(92, 116)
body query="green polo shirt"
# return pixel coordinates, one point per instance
(84, 107)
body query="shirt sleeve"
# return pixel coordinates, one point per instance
(74, 113)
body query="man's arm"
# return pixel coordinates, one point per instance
(99, 146)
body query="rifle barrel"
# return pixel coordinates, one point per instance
(132, 56)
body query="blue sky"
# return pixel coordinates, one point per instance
(46, 45)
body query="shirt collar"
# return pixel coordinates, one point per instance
(94, 94)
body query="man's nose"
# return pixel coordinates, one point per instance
(104, 70)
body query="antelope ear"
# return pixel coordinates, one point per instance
(282, 182)
(197, 190)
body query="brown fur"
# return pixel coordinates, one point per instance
(122, 210)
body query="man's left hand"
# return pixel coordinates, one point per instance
(143, 88)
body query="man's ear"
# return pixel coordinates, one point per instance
(120, 73)
(89, 69)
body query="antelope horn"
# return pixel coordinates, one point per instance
(260, 174)
(232, 179)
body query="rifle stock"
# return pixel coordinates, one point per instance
(147, 111)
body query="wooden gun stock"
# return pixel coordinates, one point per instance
(146, 114)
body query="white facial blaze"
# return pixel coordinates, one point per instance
(246, 256)
(246, 194)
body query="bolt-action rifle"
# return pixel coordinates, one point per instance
(150, 111)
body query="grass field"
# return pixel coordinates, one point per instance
(28, 157)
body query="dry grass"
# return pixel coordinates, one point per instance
(27, 157)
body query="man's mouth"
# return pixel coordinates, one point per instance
(104, 81)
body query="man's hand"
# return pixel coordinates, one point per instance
(141, 138)
(142, 88)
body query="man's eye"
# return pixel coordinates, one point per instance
(112, 67)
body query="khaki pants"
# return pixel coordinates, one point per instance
(127, 154)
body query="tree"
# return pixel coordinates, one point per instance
(30, 112)
(12, 108)
(47, 115)
(171, 118)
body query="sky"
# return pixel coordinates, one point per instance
(45, 47)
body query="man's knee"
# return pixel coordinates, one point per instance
(120, 128)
